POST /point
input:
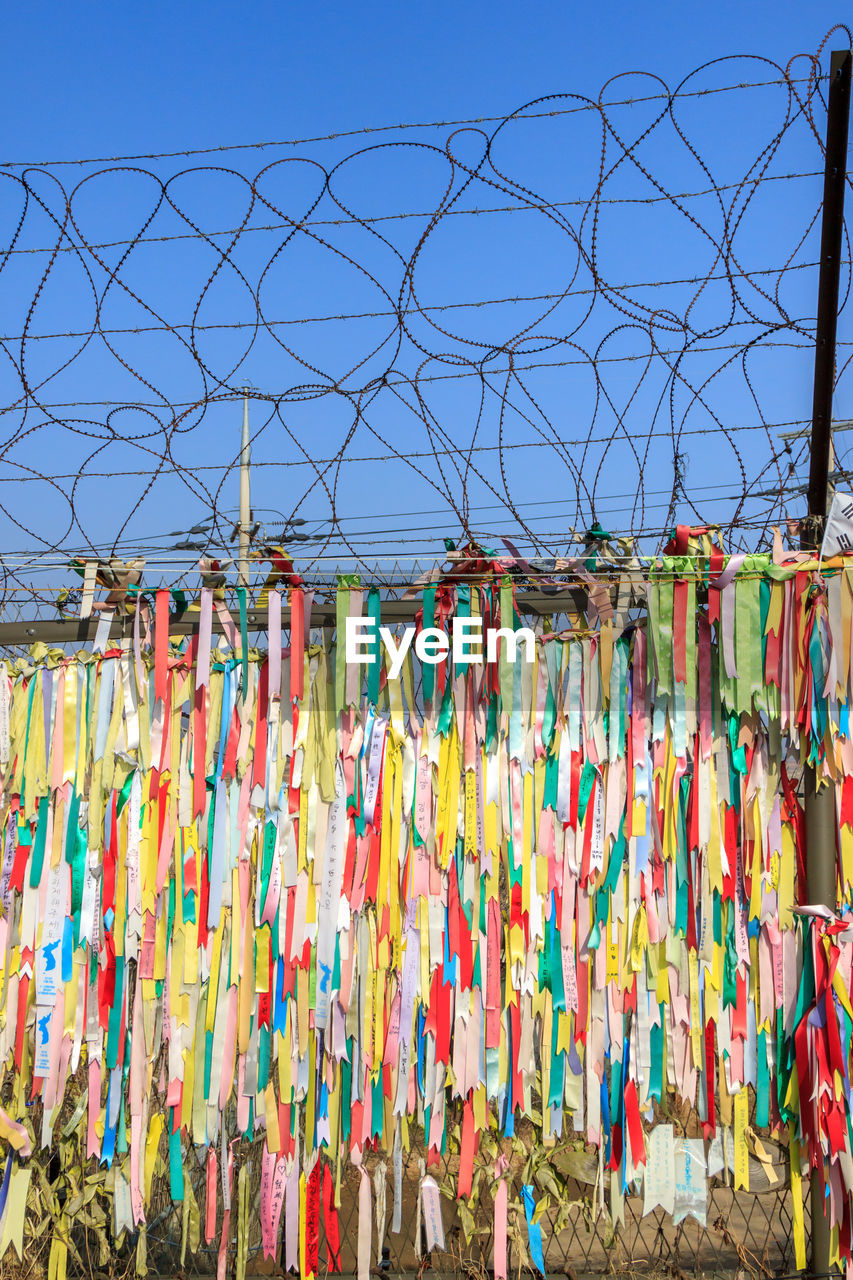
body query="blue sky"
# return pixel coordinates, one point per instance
(88, 80)
(104, 78)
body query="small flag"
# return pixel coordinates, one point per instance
(838, 536)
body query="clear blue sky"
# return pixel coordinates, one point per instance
(89, 79)
(97, 78)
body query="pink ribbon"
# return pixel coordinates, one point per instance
(205, 626)
(274, 639)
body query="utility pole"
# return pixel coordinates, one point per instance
(820, 804)
(244, 525)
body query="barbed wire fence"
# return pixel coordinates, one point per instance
(585, 314)
(366, 288)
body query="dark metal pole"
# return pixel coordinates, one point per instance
(820, 803)
(832, 226)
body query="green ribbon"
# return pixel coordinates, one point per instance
(506, 668)
(374, 668)
(37, 856)
(427, 668)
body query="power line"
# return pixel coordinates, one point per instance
(157, 556)
(403, 537)
(143, 544)
(461, 451)
(496, 506)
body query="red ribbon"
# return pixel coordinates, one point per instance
(330, 1217)
(312, 1221)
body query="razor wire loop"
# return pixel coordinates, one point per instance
(417, 344)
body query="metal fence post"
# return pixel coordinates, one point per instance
(820, 804)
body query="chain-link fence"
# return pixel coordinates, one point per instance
(745, 1233)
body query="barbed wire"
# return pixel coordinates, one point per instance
(366, 130)
(434, 308)
(408, 390)
(400, 217)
